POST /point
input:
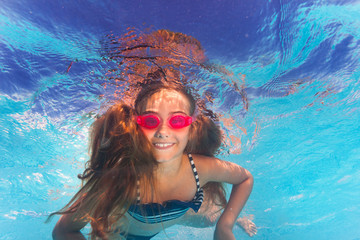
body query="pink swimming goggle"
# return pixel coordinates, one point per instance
(152, 121)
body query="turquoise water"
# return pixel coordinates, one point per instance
(297, 63)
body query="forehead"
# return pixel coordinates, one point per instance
(168, 99)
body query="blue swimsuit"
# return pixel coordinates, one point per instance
(155, 212)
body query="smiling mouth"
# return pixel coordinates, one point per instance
(163, 145)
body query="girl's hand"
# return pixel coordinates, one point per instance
(247, 225)
(223, 233)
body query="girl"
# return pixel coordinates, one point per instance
(153, 166)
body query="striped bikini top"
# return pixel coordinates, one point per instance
(155, 212)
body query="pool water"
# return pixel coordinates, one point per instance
(296, 61)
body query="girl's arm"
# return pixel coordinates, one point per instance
(68, 228)
(216, 170)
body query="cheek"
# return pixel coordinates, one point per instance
(148, 133)
(185, 136)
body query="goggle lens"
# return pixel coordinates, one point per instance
(148, 121)
(177, 121)
(152, 121)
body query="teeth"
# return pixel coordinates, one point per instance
(163, 144)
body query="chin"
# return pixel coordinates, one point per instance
(160, 158)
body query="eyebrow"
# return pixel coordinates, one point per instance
(171, 113)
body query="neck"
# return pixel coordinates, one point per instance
(169, 168)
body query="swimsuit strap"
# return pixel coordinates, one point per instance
(138, 191)
(195, 172)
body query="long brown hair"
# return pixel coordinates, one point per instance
(119, 154)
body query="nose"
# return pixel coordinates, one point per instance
(162, 131)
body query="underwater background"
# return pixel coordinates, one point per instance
(297, 64)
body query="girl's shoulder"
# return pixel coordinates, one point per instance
(212, 169)
(202, 161)
(204, 165)
(202, 158)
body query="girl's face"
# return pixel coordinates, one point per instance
(168, 143)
